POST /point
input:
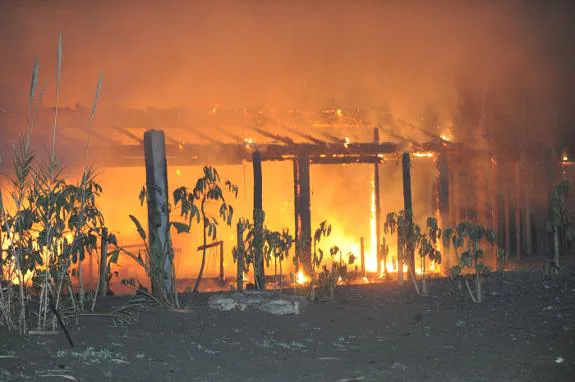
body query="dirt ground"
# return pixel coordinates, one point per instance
(524, 331)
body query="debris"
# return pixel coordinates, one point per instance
(270, 302)
(559, 360)
(399, 365)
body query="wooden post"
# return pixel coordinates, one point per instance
(259, 217)
(376, 184)
(362, 253)
(526, 187)
(103, 263)
(240, 257)
(507, 220)
(407, 203)
(400, 254)
(493, 192)
(303, 212)
(517, 212)
(442, 190)
(222, 277)
(158, 219)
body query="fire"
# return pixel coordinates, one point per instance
(178, 172)
(339, 113)
(565, 157)
(426, 154)
(248, 142)
(300, 278)
(346, 142)
(445, 138)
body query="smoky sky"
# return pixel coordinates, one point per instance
(408, 54)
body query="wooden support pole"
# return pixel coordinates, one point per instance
(442, 194)
(517, 212)
(103, 285)
(507, 221)
(527, 201)
(222, 276)
(259, 217)
(493, 192)
(158, 219)
(407, 203)
(240, 257)
(362, 253)
(302, 205)
(376, 185)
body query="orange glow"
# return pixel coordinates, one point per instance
(301, 279)
(427, 154)
(346, 142)
(565, 157)
(339, 113)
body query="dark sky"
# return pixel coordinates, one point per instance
(408, 54)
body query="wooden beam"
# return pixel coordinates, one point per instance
(309, 137)
(280, 138)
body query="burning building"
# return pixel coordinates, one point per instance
(303, 168)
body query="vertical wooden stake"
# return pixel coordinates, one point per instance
(507, 221)
(259, 217)
(302, 196)
(222, 277)
(240, 257)
(527, 185)
(158, 219)
(103, 263)
(362, 252)
(376, 183)
(408, 204)
(517, 212)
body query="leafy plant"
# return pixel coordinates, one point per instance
(559, 219)
(468, 237)
(411, 238)
(277, 246)
(207, 193)
(51, 226)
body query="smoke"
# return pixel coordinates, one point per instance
(406, 54)
(444, 61)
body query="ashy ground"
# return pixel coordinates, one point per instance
(524, 331)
